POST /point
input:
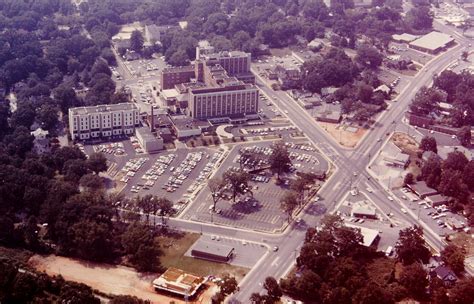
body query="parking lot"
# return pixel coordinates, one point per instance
(435, 218)
(175, 175)
(262, 211)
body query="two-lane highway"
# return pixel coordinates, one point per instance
(347, 161)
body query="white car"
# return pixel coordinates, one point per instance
(369, 190)
(403, 210)
(390, 198)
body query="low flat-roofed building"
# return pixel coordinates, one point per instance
(455, 224)
(370, 236)
(393, 156)
(432, 43)
(406, 38)
(178, 282)
(148, 141)
(185, 126)
(362, 209)
(437, 200)
(422, 190)
(213, 251)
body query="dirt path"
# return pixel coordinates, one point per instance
(116, 280)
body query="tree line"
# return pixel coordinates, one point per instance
(334, 267)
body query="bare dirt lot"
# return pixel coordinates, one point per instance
(409, 146)
(343, 137)
(115, 280)
(406, 143)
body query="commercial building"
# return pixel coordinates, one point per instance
(363, 210)
(103, 121)
(149, 142)
(422, 190)
(393, 156)
(370, 236)
(432, 43)
(212, 251)
(405, 38)
(437, 200)
(178, 282)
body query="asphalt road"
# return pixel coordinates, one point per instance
(347, 161)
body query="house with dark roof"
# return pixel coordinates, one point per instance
(445, 274)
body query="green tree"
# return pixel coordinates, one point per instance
(288, 203)
(431, 171)
(462, 292)
(419, 18)
(415, 280)
(165, 208)
(372, 293)
(136, 41)
(454, 257)
(237, 182)
(365, 92)
(408, 180)
(279, 160)
(227, 285)
(216, 187)
(468, 174)
(97, 162)
(428, 143)
(368, 56)
(128, 300)
(136, 235)
(273, 289)
(146, 204)
(92, 182)
(47, 115)
(464, 136)
(146, 259)
(411, 246)
(456, 161)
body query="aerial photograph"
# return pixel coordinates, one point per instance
(237, 151)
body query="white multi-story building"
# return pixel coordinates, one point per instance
(103, 121)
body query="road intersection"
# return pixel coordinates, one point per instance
(350, 169)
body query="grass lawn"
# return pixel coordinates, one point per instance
(174, 247)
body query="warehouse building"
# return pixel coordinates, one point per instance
(432, 43)
(212, 251)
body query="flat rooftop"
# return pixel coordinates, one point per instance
(213, 248)
(404, 37)
(432, 41)
(146, 134)
(177, 281)
(103, 108)
(183, 122)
